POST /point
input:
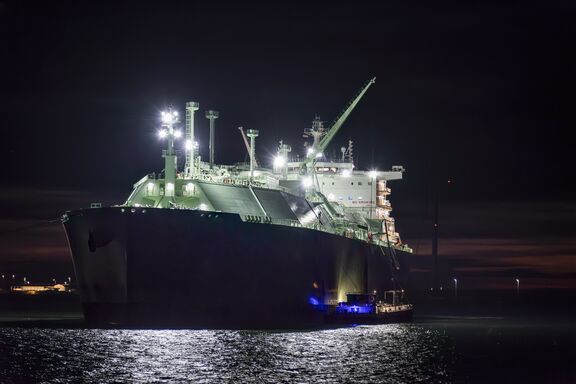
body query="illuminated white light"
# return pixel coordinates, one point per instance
(188, 144)
(166, 118)
(279, 161)
(177, 134)
(346, 173)
(310, 151)
(162, 133)
(190, 187)
(319, 155)
(175, 113)
(196, 145)
(331, 197)
(137, 205)
(307, 182)
(170, 186)
(373, 174)
(203, 207)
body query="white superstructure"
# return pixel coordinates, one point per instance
(338, 198)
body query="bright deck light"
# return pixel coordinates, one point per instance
(319, 155)
(188, 144)
(307, 182)
(177, 134)
(162, 133)
(310, 151)
(279, 161)
(166, 117)
(373, 174)
(346, 173)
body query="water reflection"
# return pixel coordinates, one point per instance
(387, 353)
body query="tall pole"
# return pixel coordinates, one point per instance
(366, 272)
(212, 115)
(191, 107)
(517, 287)
(169, 119)
(435, 247)
(252, 134)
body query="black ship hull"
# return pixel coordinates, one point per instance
(149, 267)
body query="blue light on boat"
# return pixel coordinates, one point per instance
(313, 300)
(355, 309)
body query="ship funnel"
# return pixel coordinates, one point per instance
(191, 107)
(252, 134)
(212, 115)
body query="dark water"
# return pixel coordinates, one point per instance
(392, 353)
(475, 350)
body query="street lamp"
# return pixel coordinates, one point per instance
(455, 287)
(517, 287)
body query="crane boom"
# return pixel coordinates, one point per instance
(247, 145)
(323, 143)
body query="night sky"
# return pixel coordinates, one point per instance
(479, 93)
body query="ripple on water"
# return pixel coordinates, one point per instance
(403, 353)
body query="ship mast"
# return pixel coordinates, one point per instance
(169, 120)
(252, 134)
(212, 115)
(248, 147)
(191, 107)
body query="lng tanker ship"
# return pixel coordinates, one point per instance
(242, 245)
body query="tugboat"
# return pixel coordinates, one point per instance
(365, 308)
